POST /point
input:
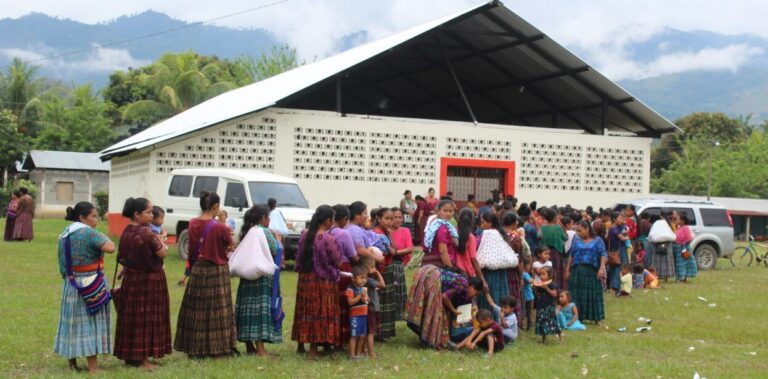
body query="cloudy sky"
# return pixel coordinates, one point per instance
(601, 28)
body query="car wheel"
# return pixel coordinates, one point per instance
(706, 256)
(183, 244)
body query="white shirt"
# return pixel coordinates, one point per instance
(277, 222)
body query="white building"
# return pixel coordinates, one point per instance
(475, 101)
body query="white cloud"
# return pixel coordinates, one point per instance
(729, 58)
(98, 60)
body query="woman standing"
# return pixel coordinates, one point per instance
(514, 273)
(401, 238)
(206, 324)
(553, 236)
(466, 257)
(408, 208)
(494, 242)
(253, 312)
(662, 257)
(22, 229)
(393, 277)
(420, 219)
(643, 228)
(584, 272)
(316, 318)
(10, 217)
(685, 267)
(81, 252)
(143, 309)
(432, 201)
(348, 256)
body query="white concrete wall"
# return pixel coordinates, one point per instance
(374, 159)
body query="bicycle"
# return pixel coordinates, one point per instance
(743, 255)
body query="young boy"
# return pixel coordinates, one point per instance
(506, 314)
(489, 336)
(528, 294)
(626, 281)
(543, 260)
(374, 282)
(357, 299)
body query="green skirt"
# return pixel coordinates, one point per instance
(253, 313)
(587, 292)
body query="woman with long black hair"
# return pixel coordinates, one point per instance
(316, 318)
(584, 272)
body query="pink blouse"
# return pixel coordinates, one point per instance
(684, 235)
(464, 261)
(401, 238)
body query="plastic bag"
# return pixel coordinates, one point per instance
(661, 232)
(252, 258)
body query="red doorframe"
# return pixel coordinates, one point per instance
(509, 175)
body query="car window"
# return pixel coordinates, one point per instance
(205, 183)
(688, 212)
(181, 186)
(235, 196)
(714, 217)
(286, 194)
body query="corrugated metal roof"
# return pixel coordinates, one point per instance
(64, 160)
(408, 72)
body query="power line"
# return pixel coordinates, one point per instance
(150, 35)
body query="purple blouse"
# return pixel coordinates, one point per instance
(357, 234)
(326, 256)
(345, 244)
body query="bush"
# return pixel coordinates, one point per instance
(102, 202)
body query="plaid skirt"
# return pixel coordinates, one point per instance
(143, 326)
(392, 299)
(546, 321)
(684, 268)
(424, 310)
(344, 282)
(587, 292)
(22, 227)
(663, 262)
(515, 279)
(80, 334)
(206, 324)
(558, 269)
(498, 286)
(316, 316)
(253, 312)
(10, 222)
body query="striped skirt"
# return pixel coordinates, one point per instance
(558, 268)
(316, 316)
(80, 334)
(253, 312)
(515, 280)
(498, 286)
(662, 260)
(424, 310)
(392, 299)
(143, 326)
(587, 292)
(206, 323)
(10, 222)
(684, 268)
(344, 282)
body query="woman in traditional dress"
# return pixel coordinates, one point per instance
(554, 237)
(514, 274)
(643, 228)
(316, 318)
(10, 216)
(662, 257)
(420, 219)
(206, 324)
(403, 241)
(22, 229)
(253, 311)
(493, 241)
(143, 326)
(393, 275)
(348, 256)
(432, 202)
(584, 272)
(408, 207)
(81, 334)
(684, 268)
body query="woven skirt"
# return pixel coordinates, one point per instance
(344, 282)
(316, 316)
(662, 261)
(587, 292)
(392, 299)
(684, 268)
(10, 223)
(498, 286)
(143, 326)
(253, 312)
(546, 321)
(22, 227)
(424, 310)
(515, 280)
(80, 334)
(206, 326)
(558, 269)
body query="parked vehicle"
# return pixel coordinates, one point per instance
(711, 224)
(239, 189)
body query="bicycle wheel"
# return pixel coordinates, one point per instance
(742, 257)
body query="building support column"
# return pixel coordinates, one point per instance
(748, 232)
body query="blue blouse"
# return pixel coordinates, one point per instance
(588, 253)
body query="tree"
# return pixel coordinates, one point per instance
(18, 85)
(280, 59)
(13, 144)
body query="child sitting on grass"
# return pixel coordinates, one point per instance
(357, 299)
(638, 279)
(568, 313)
(650, 278)
(626, 281)
(506, 315)
(488, 336)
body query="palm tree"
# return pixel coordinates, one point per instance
(18, 85)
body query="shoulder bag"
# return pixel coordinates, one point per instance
(95, 294)
(494, 253)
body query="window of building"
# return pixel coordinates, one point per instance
(65, 191)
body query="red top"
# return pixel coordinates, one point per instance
(464, 261)
(217, 241)
(137, 249)
(631, 228)
(402, 239)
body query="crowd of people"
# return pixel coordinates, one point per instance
(486, 273)
(18, 218)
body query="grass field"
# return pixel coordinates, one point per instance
(724, 341)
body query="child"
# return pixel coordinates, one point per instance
(488, 336)
(543, 261)
(568, 226)
(626, 281)
(567, 313)
(528, 294)
(546, 293)
(158, 217)
(506, 313)
(651, 279)
(357, 299)
(223, 218)
(638, 279)
(374, 283)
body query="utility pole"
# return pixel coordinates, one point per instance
(709, 168)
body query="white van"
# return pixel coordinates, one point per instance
(239, 190)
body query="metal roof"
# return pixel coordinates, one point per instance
(64, 160)
(484, 64)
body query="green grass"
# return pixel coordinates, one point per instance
(723, 337)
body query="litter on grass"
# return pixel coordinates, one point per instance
(622, 329)
(712, 305)
(691, 348)
(703, 299)
(643, 329)
(751, 353)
